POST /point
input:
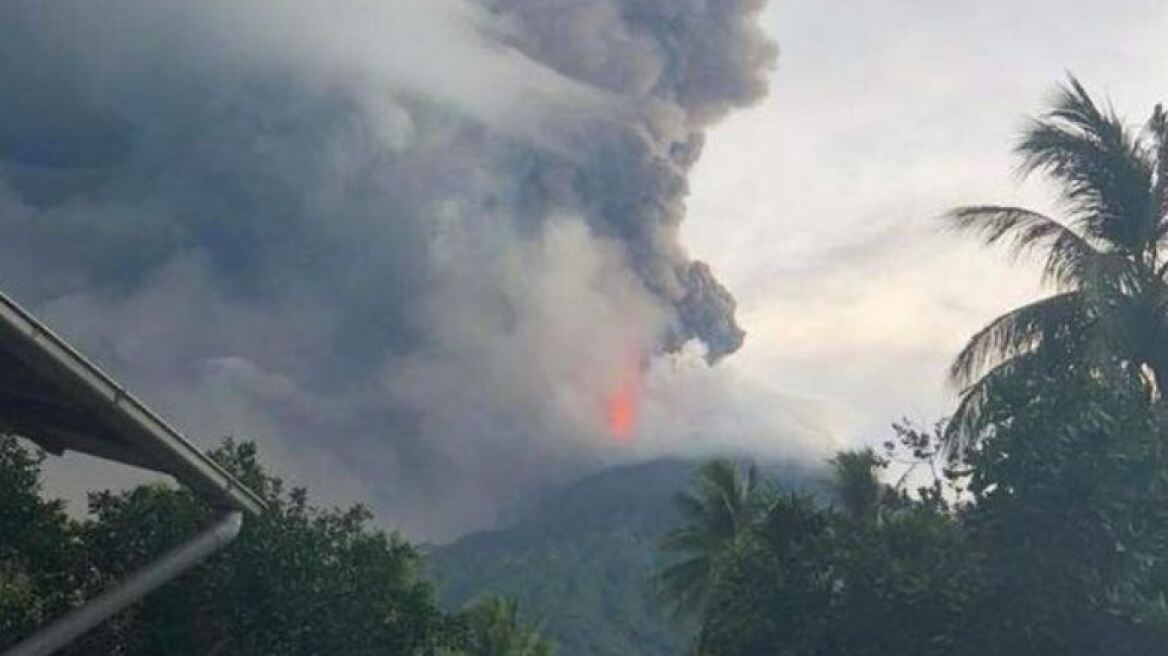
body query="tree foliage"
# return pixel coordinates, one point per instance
(873, 573)
(1071, 503)
(1050, 537)
(298, 580)
(719, 509)
(36, 545)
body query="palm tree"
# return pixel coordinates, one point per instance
(494, 629)
(790, 519)
(855, 485)
(720, 507)
(1104, 259)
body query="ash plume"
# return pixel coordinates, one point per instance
(405, 245)
(683, 65)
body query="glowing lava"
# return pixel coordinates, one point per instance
(621, 413)
(620, 406)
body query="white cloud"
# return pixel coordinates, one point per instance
(882, 116)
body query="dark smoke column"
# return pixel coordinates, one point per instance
(682, 64)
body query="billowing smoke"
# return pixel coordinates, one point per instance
(411, 246)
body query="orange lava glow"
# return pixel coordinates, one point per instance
(621, 412)
(620, 405)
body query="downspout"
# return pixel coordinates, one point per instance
(169, 566)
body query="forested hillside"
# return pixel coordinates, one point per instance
(581, 561)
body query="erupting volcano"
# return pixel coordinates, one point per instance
(473, 208)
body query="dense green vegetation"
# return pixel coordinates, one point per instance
(299, 579)
(1058, 544)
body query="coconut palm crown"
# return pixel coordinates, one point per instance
(1104, 258)
(719, 509)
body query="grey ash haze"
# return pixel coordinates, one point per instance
(408, 246)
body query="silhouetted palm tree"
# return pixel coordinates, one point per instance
(720, 507)
(1104, 258)
(855, 484)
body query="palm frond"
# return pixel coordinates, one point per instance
(1157, 131)
(495, 628)
(791, 516)
(1106, 173)
(970, 420)
(684, 584)
(720, 505)
(1017, 333)
(1068, 254)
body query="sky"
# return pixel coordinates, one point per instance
(881, 116)
(440, 256)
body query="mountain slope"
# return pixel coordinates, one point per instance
(580, 561)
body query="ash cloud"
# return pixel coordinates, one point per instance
(405, 245)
